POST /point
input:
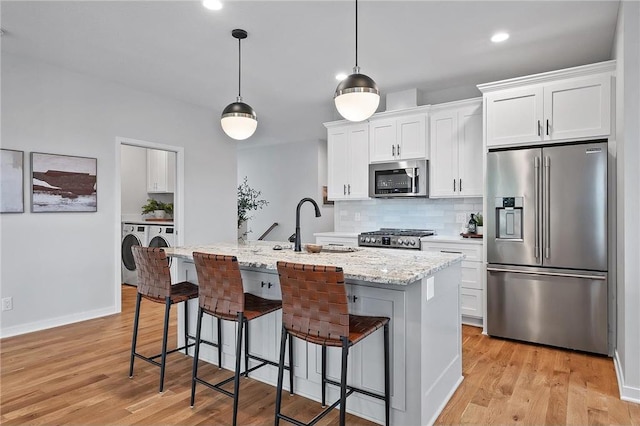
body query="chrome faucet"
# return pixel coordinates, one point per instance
(297, 243)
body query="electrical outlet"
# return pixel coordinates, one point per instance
(357, 217)
(461, 218)
(7, 303)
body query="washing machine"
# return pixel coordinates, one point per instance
(163, 236)
(133, 234)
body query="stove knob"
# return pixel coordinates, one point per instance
(373, 240)
(369, 240)
(399, 241)
(413, 242)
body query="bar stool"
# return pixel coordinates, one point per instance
(314, 309)
(221, 295)
(154, 284)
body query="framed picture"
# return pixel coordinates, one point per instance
(11, 181)
(63, 183)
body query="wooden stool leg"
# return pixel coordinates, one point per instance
(236, 382)
(283, 343)
(387, 381)
(134, 340)
(218, 323)
(324, 376)
(343, 381)
(165, 337)
(196, 354)
(291, 367)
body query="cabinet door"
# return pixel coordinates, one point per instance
(358, 163)
(161, 167)
(412, 137)
(578, 108)
(470, 181)
(514, 116)
(338, 163)
(443, 167)
(383, 140)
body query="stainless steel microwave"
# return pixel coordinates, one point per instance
(399, 179)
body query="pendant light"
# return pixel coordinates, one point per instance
(239, 119)
(357, 96)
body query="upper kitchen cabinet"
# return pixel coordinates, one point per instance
(348, 161)
(455, 166)
(161, 171)
(570, 104)
(398, 136)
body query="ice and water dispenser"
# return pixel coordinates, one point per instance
(509, 218)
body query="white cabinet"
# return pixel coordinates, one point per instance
(398, 138)
(337, 241)
(161, 171)
(572, 104)
(455, 169)
(471, 289)
(348, 162)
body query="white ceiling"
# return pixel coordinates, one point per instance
(295, 48)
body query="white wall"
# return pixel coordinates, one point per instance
(65, 267)
(285, 174)
(627, 54)
(133, 173)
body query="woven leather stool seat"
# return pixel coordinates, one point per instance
(221, 295)
(154, 284)
(315, 309)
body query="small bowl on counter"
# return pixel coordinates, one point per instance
(313, 248)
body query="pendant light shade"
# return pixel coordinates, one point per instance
(357, 97)
(238, 119)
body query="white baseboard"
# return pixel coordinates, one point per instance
(55, 322)
(627, 393)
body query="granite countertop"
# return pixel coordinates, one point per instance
(385, 266)
(452, 239)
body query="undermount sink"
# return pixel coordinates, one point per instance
(339, 249)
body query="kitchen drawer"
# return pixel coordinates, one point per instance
(471, 302)
(472, 252)
(337, 241)
(471, 275)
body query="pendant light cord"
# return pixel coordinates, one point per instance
(239, 64)
(356, 33)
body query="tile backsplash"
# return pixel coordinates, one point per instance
(437, 214)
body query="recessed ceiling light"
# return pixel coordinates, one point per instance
(341, 76)
(212, 4)
(498, 37)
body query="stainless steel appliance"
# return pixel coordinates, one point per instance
(547, 245)
(394, 238)
(399, 179)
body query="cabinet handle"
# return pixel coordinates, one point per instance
(262, 284)
(355, 298)
(460, 186)
(349, 189)
(344, 189)
(393, 150)
(450, 251)
(539, 127)
(547, 127)
(454, 185)
(398, 150)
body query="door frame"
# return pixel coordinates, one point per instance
(178, 202)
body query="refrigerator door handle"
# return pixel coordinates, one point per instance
(547, 207)
(553, 274)
(536, 219)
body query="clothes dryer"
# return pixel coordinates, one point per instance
(163, 236)
(133, 234)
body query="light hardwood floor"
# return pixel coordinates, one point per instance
(78, 374)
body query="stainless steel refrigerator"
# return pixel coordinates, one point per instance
(547, 245)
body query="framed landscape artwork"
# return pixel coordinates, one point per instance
(63, 183)
(11, 181)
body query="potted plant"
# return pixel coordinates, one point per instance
(479, 223)
(168, 210)
(155, 207)
(248, 200)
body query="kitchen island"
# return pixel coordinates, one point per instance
(417, 290)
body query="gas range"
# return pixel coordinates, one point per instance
(394, 238)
